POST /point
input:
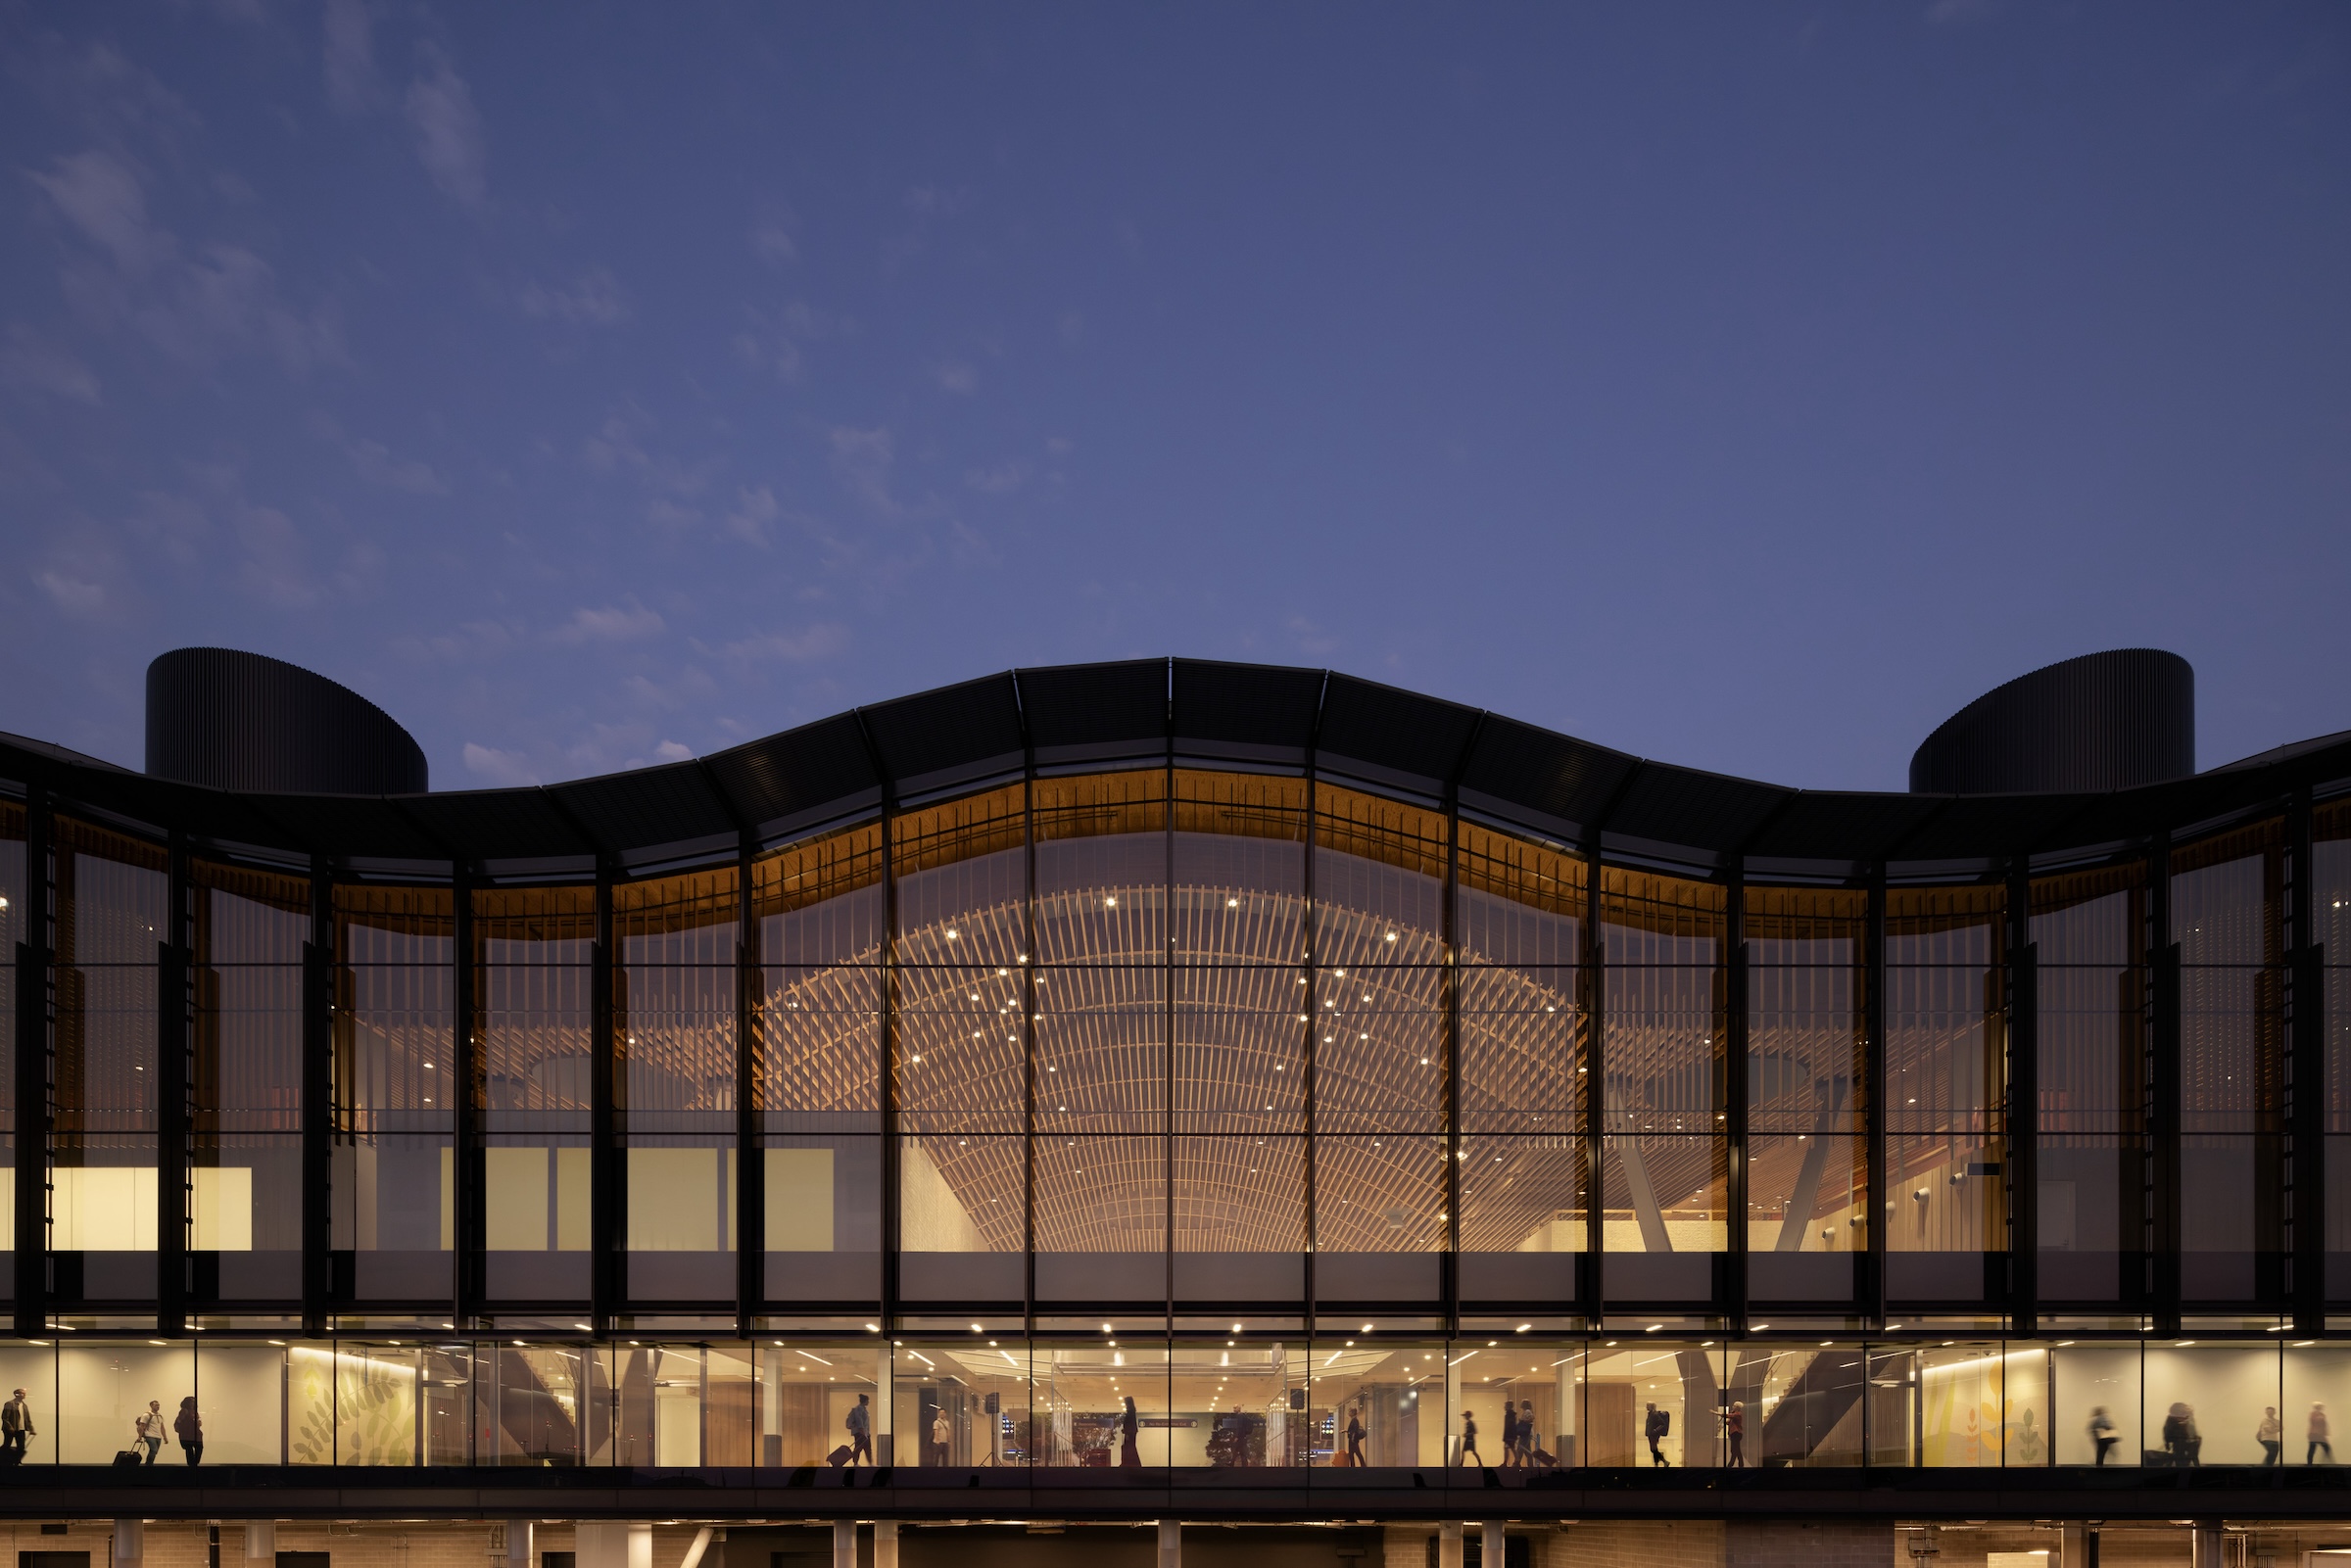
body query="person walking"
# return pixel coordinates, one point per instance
(1734, 1427)
(1509, 1434)
(16, 1428)
(1129, 1458)
(860, 1422)
(1526, 1434)
(188, 1427)
(150, 1429)
(2101, 1432)
(1355, 1437)
(1470, 1439)
(2321, 1436)
(1655, 1427)
(2271, 1435)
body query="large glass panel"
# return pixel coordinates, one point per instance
(1241, 1218)
(117, 1398)
(1241, 1049)
(245, 1184)
(961, 1404)
(1379, 1049)
(2211, 1403)
(962, 880)
(1379, 1404)
(962, 1218)
(2227, 918)
(1102, 868)
(1238, 1405)
(1101, 1219)
(1239, 894)
(1521, 1393)
(2330, 907)
(818, 1047)
(818, 1396)
(1517, 903)
(1522, 1217)
(1101, 1046)
(2086, 932)
(545, 1405)
(2094, 1399)
(1104, 1406)
(1959, 1407)
(1807, 1165)
(2318, 1388)
(243, 1403)
(111, 898)
(1792, 1406)
(820, 902)
(1654, 1404)
(1381, 1217)
(534, 966)
(1946, 1086)
(1664, 1179)
(673, 1038)
(960, 1058)
(392, 1183)
(1379, 879)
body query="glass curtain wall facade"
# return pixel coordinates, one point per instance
(1166, 1113)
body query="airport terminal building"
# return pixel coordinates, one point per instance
(1169, 1109)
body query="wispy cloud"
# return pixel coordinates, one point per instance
(751, 514)
(449, 131)
(955, 376)
(807, 645)
(375, 464)
(616, 623)
(772, 239)
(223, 299)
(593, 298)
(31, 364)
(505, 769)
(997, 479)
(349, 57)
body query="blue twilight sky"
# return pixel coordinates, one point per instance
(1746, 385)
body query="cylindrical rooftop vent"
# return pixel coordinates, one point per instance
(243, 721)
(2103, 721)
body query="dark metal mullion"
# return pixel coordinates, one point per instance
(34, 1130)
(317, 1104)
(1450, 979)
(173, 1041)
(751, 1152)
(1873, 1115)
(468, 1166)
(2163, 1090)
(607, 1166)
(2022, 1170)
(1167, 1004)
(2306, 983)
(1311, 972)
(1594, 1076)
(1735, 1089)
(1031, 962)
(888, 1305)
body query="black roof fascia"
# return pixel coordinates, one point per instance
(1552, 781)
(485, 824)
(816, 773)
(1704, 811)
(1388, 736)
(1244, 712)
(1095, 712)
(954, 735)
(651, 814)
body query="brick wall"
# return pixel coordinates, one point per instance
(1816, 1544)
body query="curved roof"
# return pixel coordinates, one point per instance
(1073, 715)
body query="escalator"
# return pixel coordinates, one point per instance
(1811, 1409)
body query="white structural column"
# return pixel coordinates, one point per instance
(260, 1542)
(2205, 1547)
(1449, 1545)
(1493, 1549)
(844, 1543)
(885, 1543)
(613, 1545)
(131, 1543)
(519, 1541)
(1170, 1544)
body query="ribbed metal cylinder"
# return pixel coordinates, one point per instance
(2103, 721)
(243, 721)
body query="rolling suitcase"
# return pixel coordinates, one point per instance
(840, 1456)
